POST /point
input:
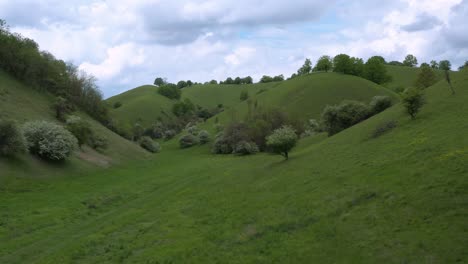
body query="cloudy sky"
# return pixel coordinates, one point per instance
(127, 43)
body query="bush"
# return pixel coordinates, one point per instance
(169, 134)
(339, 117)
(117, 105)
(379, 104)
(204, 137)
(282, 140)
(183, 108)
(48, 140)
(80, 129)
(221, 145)
(62, 107)
(148, 144)
(188, 141)
(98, 142)
(170, 91)
(413, 100)
(245, 148)
(193, 130)
(11, 139)
(384, 128)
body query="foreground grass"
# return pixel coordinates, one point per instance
(351, 198)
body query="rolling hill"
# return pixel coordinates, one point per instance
(351, 198)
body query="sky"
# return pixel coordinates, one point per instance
(128, 43)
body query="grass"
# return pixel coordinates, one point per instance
(350, 198)
(404, 77)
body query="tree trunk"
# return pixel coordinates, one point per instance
(286, 156)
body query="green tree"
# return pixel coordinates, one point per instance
(375, 71)
(282, 140)
(181, 84)
(413, 100)
(170, 91)
(464, 66)
(426, 77)
(342, 63)
(410, 61)
(379, 58)
(159, 81)
(324, 63)
(434, 65)
(266, 79)
(306, 68)
(247, 80)
(11, 138)
(278, 78)
(357, 66)
(213, 82)
(445, 65)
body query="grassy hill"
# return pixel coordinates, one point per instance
(350, 198)
(22, 103)
(404, 77)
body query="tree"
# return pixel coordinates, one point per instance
(426, 77)
(247, 80)
(324, 63)
(266, 79)
(181, 84)
(375, 71)
(336, 118)
(183, 108)
(395, 63)
(278, 78)
(434, 65)
(342, 63)
(282, 140)
(237, 80)
(189, 83)
(170, 91)
(213, 82)
(413, 100)
(306, 68)
(464, 66)
(410, 61)
(425, 64)
(379, 58)
(229, 80)
(159, 81)
(357, 66)
(445, 65)
(11, 138)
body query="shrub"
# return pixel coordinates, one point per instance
(426, 77)
(188, 141)
(245, 148)
(170, 91)
(339, 117)
(282, 141)
(11, 139)
(155, 131)
(221, 145)
(244, 95)
(169, 134)
(183, 108)
(148, 144)
(218, 127)
(62, 107)
(117, 105)
(48, 140)
(204, 137)
(193, 130)
(413, 100)
(384, 128)
(98, 142)
(379, 104)
(80, 129)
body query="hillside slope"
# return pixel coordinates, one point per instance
(404, 77)
(351, 198)
(22, 104)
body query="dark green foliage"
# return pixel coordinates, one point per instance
(379, 104)
(445, 65)
(117, 105)
(378, 58)
(182, 84)
(62, 107)
(188, 141)
(183, 108)
(339, 117)
(278, 78)
(424, 64)
(204, 137)
(148, 144)
(11, 139)
(98, 142)
(426, 77)
(282, 140)
(221, 145)
(48, 140)
(244, 95)
(159, 81)
(413, 100)
(357, 66)
(248, 80)
(464, 66)
(245, 148)
(169, 134)
(395, 63)
(384, 128)
(170, 91)
(138, 131)
(376, 71)
(213, 82)
(324, 63)
(342, 63)
(410, 61)
(80, 129)
(266, 79)
(306, 68)
(434, 65)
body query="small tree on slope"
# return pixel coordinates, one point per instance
(282, 140)
(413, 100)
